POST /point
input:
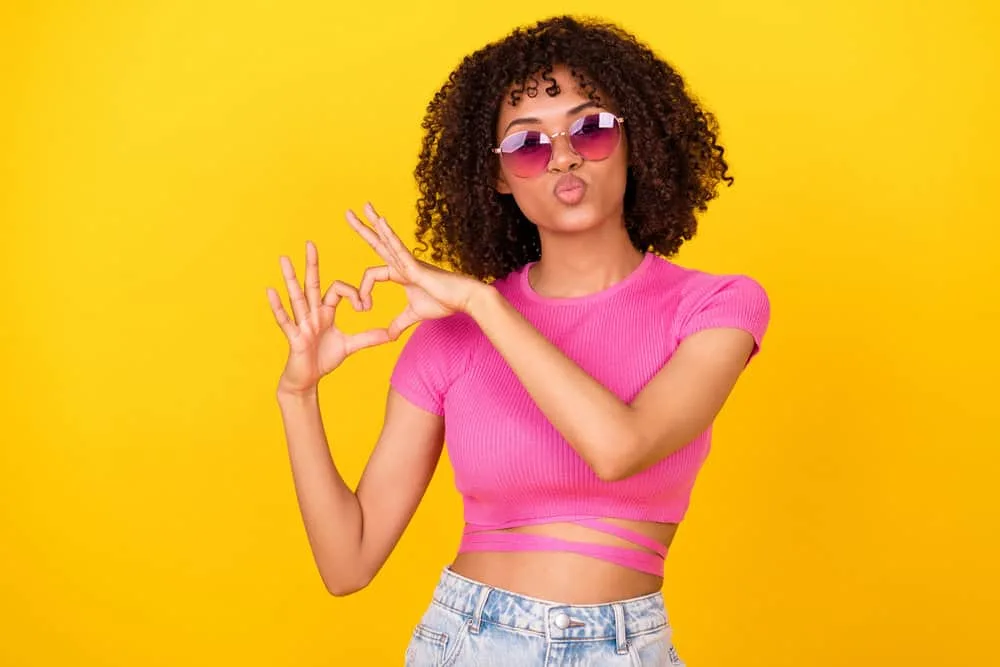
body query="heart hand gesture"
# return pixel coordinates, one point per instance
(316, 345)
(431, 293)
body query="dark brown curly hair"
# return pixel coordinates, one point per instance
(675, 160)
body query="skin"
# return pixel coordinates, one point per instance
(584, 249)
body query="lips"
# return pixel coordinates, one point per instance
(570, 189)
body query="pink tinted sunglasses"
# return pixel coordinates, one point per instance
(594, 137)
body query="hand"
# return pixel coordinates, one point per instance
(316, 345)
(431, 293)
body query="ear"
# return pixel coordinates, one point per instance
(501, 185)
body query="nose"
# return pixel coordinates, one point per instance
(564, 158)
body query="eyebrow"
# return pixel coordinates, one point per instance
(527, 121)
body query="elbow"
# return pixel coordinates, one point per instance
(625, 460)
(613, 471)
(341, 589)
(341, 586)
(615, 468)
(637, 457)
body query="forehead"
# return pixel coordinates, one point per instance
(535, 100)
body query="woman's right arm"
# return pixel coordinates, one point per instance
(352, 533)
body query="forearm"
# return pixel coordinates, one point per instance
(330, 509)
(595, 422)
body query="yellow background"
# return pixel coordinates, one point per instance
(157, 157)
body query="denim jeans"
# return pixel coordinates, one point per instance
(469, 623)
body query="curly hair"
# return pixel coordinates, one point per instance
(675, 160)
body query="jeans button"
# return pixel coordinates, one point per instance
(562, 621)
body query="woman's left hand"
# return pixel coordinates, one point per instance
(431, 293)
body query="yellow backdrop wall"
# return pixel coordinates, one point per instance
(157, 157)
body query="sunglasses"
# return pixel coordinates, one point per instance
(593, 137)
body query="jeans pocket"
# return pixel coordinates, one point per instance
(654, 649)
(438, 638)
(427, 647)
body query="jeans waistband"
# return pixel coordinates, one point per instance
(613, 620)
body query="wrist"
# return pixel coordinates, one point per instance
(482, 297)
(296, 395)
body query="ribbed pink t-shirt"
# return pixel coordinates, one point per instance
(512, 467)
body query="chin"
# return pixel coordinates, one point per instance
(574, 219)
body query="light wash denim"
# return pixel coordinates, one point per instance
(469, 623)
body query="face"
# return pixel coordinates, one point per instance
(563, 183)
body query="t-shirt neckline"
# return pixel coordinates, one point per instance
(529, 292)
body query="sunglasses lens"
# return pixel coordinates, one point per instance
(526, 153)
(595, 136)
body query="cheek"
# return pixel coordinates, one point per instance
(531, 196)
(611, 182)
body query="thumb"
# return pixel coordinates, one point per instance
(402, 322)
(369, 338)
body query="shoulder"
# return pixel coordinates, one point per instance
(434, 355)
(703, 300)
(694, 288)
(444, 333)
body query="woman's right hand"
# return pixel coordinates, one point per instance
(315, 345)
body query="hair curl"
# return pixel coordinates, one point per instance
(675, 163)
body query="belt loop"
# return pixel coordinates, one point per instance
(477, 615)
(621, 643)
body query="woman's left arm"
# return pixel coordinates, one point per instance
(615, 438)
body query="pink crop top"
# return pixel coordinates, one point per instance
(512, 467)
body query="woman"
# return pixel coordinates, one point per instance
(573, 370)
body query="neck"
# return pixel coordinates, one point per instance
(578, 264)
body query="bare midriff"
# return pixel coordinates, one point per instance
(567, 577)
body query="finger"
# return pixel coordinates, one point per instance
(378, 223)
(403, 321)
(280, 315)
(298, 300)
(365, 339)
(402, 254)
(339, 290)
(367, 233)
(372, 275)
(393, 256)
(312, 276)
(371, 213)
(381, 227)
(390, 254)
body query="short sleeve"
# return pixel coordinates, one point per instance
(430, 361)
(737, 302)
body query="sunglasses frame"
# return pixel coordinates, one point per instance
(497, 150)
